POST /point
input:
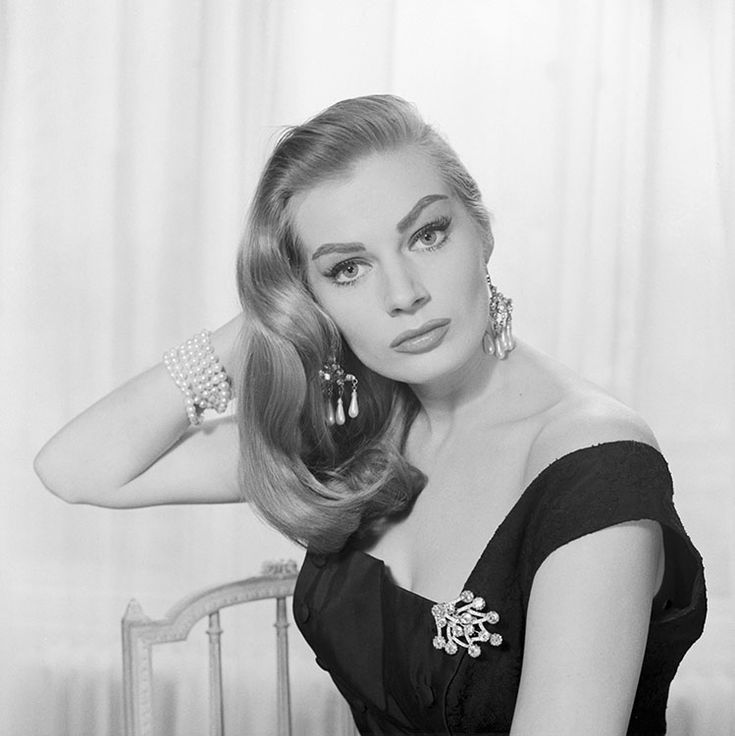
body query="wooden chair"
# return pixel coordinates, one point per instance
(140, 634)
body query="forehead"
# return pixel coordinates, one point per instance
(378, 192)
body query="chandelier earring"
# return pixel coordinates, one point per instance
(334, 378)
(498, 338)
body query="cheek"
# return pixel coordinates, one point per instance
(363, 330)
(351, 316)
(470, 295)
(465, 281)
(477, 306)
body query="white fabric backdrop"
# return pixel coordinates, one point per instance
(131, 133)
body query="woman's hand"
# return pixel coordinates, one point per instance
(135, 447)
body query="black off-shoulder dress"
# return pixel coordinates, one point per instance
(375, 638)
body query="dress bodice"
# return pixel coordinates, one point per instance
(375, 637)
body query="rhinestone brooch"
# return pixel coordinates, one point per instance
(461, 623)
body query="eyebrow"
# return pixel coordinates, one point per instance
(416, 210)
(328, 248)
(402, 226)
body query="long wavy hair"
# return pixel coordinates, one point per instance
(318, 484)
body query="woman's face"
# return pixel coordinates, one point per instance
(399, 265)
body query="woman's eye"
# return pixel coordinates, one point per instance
(429, 237)
(347, 272)
(433, 235)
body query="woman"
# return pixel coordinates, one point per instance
(492, 545)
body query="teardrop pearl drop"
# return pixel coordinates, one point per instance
(354, 409)
(505, 339)
(487, 343)
(340, 418)
(329, 412)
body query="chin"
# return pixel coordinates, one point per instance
(427, 368)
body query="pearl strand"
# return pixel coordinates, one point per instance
(200, 376)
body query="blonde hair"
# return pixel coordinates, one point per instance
(321, 485)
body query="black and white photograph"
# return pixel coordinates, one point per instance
(368, 367)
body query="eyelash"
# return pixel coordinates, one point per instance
(337, 269)
(440, 225)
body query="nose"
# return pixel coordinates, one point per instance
(405, 291)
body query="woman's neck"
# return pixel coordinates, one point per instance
(458, 396)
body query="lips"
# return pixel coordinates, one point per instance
(422, 338)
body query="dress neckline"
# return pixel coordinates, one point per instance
(554, 464)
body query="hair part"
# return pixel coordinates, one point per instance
(321, 485)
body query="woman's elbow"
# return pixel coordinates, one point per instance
(54, 480)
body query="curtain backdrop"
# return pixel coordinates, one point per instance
(131, 135)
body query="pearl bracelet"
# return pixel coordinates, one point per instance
(200, 376)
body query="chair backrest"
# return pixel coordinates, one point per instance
(140, 634)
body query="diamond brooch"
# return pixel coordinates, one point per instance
(461, 623)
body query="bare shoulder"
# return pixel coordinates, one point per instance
(584, 416)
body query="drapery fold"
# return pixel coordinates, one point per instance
(131, 136)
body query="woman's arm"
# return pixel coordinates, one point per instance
(135, 447)
(586, 631)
